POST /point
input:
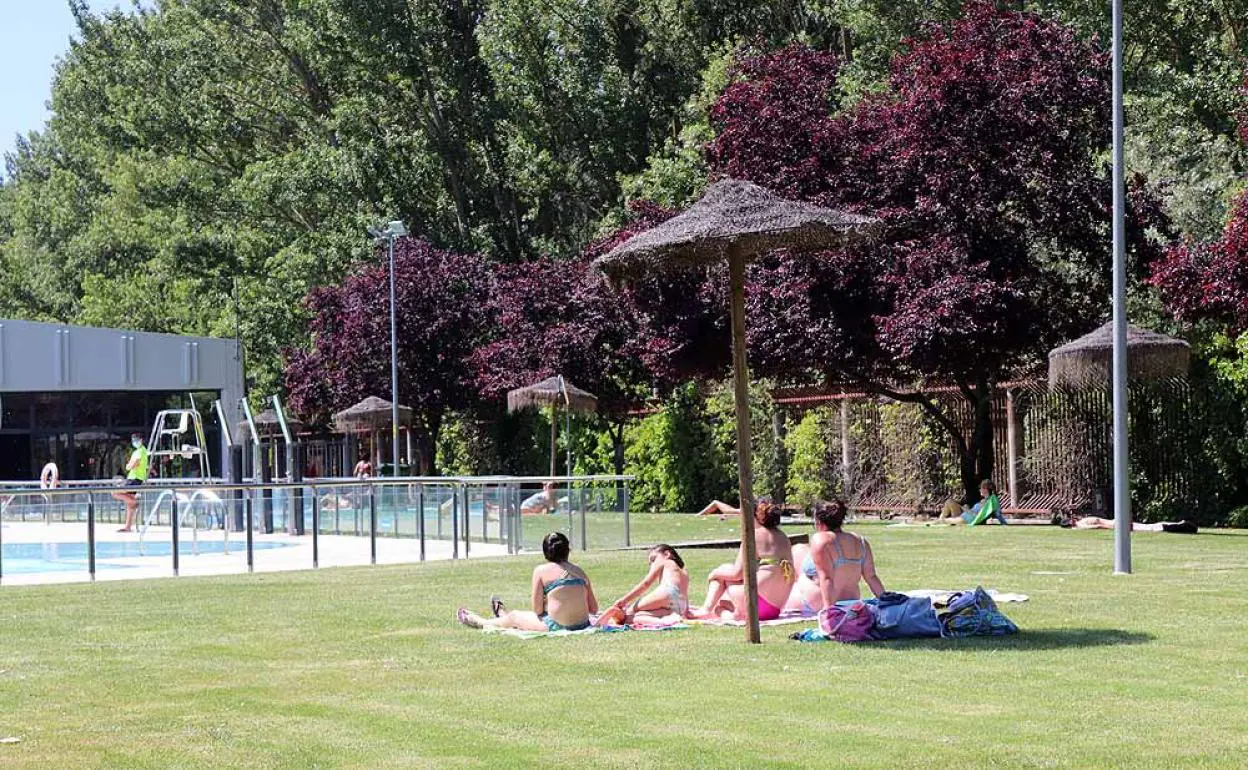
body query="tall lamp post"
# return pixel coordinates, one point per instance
(1122, 489)
(393, 229)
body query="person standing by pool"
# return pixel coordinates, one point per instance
(136, 473)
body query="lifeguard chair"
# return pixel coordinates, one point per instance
(180, 433)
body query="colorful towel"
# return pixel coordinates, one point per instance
(783, 620)
(519, 634)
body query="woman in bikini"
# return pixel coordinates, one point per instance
(840, 560)
(805, 597)
(725, 593)
(563, 598)
(671, 597)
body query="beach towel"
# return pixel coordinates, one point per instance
(520, 634)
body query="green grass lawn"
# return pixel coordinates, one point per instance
(365, 668)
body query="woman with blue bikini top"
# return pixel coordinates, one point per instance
(562, 596)
(839, 560)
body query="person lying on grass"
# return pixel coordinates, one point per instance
(725, 592)
(563, 598)
(1183, 527)
(670, 598)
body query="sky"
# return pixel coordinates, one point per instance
(33, 35)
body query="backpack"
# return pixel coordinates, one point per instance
(974, 613)
(847, 622)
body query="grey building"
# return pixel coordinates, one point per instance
(74, 394)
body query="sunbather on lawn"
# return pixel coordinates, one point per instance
(1184, 527)
(669, 599)
(986, 510)
(725, 592)
(840, 560)
(563, 598)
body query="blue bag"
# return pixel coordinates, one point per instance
(974, 613)
(903, 617)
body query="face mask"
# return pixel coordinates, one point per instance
(136, 443)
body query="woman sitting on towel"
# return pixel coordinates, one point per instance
(563, 598)
(805, 597)
(838, 560)
(725, 593)
(671, 597)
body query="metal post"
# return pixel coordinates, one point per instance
(628, 535)
(91, 535)
(1122, 489)
(316, 530)
(248, 508)
(584, 530)
(420, 517)
(394, 370)
(463, 491)
(372, 524)
(454, 523)
(846, 452)
(173, 527)
(1011, 446)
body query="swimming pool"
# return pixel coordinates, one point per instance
(27, 558)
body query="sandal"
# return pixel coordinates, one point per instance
(465, 617)
(496, 605)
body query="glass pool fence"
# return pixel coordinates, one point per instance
(212, 527)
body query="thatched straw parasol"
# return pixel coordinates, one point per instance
(1088, 361)
(736, 221)
(267, 424)
(553, 392)
(370, 414)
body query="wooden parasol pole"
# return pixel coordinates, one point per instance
(554, 449)
(741, 392)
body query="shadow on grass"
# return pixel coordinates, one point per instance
(1038, 639)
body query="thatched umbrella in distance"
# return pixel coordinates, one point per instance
(736, 221)
(1087, 361)
(369, 416)
(553, 392)
(267, 424)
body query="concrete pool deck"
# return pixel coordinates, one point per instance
(281, 552)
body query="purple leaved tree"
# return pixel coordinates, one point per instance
(440, 297)
(985, 151)
(561, 317)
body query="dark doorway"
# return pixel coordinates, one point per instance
(15, 456)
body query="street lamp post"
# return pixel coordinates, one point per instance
(1122, 489)
(394, 229)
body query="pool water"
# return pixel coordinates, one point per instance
(26, 558)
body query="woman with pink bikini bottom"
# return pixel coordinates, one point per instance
(725, 592)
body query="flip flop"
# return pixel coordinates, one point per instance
(496, 605)
(463, 616)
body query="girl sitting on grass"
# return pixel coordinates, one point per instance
(671, 597)
(563, 598)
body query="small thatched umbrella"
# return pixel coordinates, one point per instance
(267, 424)
(553, 392)
(369, 416)
(736, 221)
(1088, 361)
